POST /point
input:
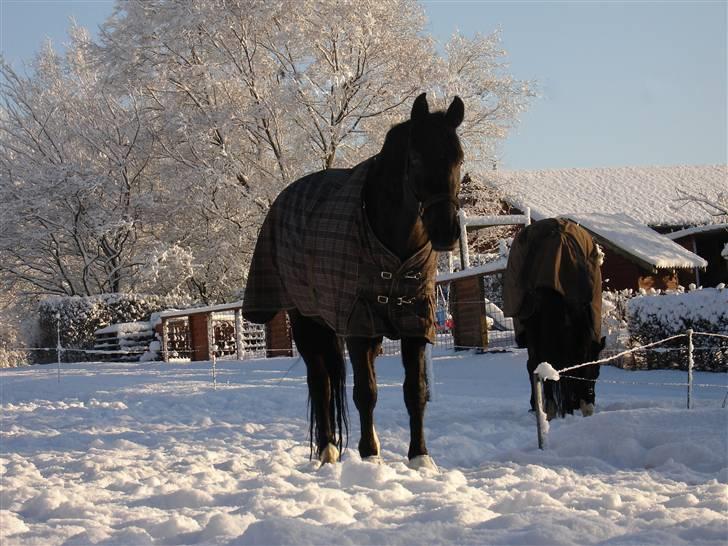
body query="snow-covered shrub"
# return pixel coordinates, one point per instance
(10, 358)
(614, 318)
(79, 317)
(656, 316)
(9, 342)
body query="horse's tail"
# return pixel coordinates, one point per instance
(340, 409)
(335, 366)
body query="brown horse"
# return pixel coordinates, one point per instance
(350, 254)
(553, 291)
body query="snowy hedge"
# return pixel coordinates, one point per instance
(79, 317)
(656, 316)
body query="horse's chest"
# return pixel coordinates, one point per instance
(360, 287)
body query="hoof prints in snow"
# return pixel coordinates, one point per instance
(151, 454)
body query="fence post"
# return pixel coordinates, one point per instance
(210, 336)
(464, 254)
(165, 340)
(214, 367)
(58, 345)
(239, 349)
(541, 422)
(691, 363)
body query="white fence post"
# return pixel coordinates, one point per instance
(464, 252)
(239, 348)
(691, 363)
(210, 336)
(165, 340)
(541, 422)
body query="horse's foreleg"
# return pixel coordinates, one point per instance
(415, 392)
(363, 352)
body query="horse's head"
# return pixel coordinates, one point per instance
(434, 163)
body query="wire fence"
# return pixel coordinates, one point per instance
(545, 372)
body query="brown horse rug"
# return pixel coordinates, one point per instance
(317, 253)
(556, 254)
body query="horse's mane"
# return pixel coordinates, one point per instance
(393, 151)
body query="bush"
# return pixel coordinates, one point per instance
(656, 316)
(80, 316)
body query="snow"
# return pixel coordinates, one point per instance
(647, 194)
(638, 240)
(151, 453)
(681, 309)
(491, 267)
(547, 371)
(125, 328)
(220, 308)
(695, 230)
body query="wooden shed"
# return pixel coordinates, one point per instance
(198, 333)
(686, 239)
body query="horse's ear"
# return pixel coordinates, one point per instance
(456, 112)
(420, 108)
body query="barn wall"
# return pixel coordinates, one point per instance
(278, 336)
(708, 246)
(618, 273)
(198, 337)
(467, 305)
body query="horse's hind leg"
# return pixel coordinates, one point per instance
(415, 398)
(325, 375)
(362, 353)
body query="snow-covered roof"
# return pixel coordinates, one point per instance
(124, 327)
(639, 241)
(647, 194)
(196, 310)
(695, 230)
(491, 267)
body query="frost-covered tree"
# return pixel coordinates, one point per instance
(156, 152)
(245, 96)
(479, 199)
(715, 205)
(75, 192)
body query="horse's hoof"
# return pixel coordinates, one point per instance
(422, 461)
(587, 410)
(373, 459)
(329, 454)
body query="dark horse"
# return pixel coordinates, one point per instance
(553, 291)
(350, 254)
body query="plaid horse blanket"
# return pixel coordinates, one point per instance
(556, 254)
(317, 253)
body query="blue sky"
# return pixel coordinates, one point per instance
(621, 83)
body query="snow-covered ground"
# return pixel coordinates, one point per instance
(150, 454)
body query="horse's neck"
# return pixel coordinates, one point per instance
(393, 213)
